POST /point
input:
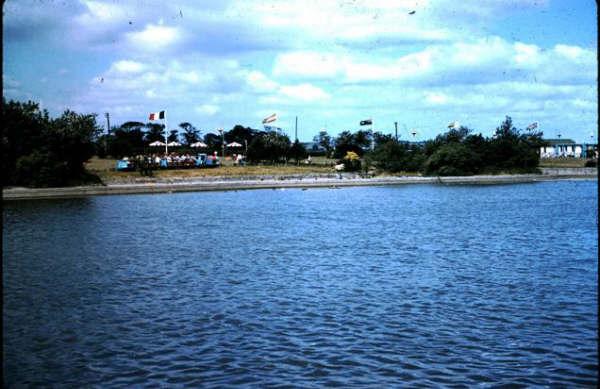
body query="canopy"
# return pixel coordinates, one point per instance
(157, 144)
(234, 144)
(199, 144)
(173, 144)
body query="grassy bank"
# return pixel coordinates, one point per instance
(105, 169)
(563, 162)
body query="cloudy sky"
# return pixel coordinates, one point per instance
(421, 63)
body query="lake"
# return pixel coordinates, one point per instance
(421, 285)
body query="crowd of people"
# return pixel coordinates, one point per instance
(175, 161)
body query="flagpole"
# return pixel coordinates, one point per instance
(166, 139)
(372, 136)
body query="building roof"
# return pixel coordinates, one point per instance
(555, 142)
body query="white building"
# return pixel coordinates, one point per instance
(556, 148)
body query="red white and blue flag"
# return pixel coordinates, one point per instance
(270, 119)
(532, 126)
(157, 115)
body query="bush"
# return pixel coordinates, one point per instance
(39, 151)
(591, 163)
(395, 157)
(351, 162)
(454, 159)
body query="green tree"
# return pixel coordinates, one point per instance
(190, 133)
(270, 146)
(242, 135)
(127, 140)
(39, 151)
(324, 140)
(397, 157)
(155, 132)
(452, 159)
(298, 151)
(356, 142)
(511, 150)
(173, 136)
(23, 132)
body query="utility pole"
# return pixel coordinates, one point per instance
(107, 132)
(396, 125)
(296, 128)
(222, 145)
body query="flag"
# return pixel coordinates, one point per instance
(367, 122)
(157, 115)
(454, 125)
(270, 119)
(532, 126)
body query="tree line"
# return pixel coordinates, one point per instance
(42, 151)
(39, 151)
(459, 151)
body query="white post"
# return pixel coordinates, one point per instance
(166, 136)
(372, 136)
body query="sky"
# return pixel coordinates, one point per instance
(419, 63)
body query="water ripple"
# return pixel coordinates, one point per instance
(423, 286)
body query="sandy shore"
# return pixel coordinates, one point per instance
(313, 181)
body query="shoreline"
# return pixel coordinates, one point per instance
(311, 181)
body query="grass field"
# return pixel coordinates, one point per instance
(105, 169)
(562, 162)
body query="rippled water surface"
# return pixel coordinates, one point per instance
(373, 286)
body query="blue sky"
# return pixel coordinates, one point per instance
(331, 63)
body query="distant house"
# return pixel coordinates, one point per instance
(556, 148)
(313, 147)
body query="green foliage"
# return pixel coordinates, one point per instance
(351, 162)
(459, 152)
(155, 132)
(270, 146)
(298, 151)
(452, 159)
(356, 142)
(39, 151)
(127, 140)
(242, 135)
(324, 140)
(396, 157)
(512, 151)
(190, 133)
(173, 136)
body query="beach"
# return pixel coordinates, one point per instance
(188, 184)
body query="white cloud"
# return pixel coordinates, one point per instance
(308, 64)
(575, 53)
(305, 92)
(260, 82)
(526, 55)
(207, 109)
(154, 38)
(101, 12)
(492, 59)
(436, 98)
(127, 66)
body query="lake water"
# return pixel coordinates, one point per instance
(420, 285)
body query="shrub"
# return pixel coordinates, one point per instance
(454, 159)
(351, 162)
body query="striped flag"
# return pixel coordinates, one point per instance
(454, 125)
(157, 115)
(532, 126)
(270, 119)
